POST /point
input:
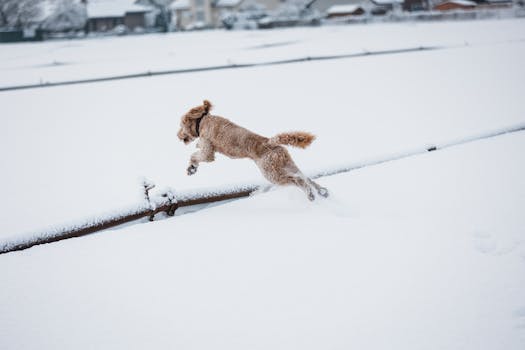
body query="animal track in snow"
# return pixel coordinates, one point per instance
(499, 244)
(484, 242)
(519, 314)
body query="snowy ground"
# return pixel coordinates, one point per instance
(78, 151)
(423, 253)
(426, 252)
(69, 60)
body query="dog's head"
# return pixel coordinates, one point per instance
(188, 122)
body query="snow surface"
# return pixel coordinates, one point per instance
(38, 63)
(77, 152)
(422, 253)
(426, 252)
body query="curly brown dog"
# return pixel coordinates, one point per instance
(217, 134)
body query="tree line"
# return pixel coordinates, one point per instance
(60, 15)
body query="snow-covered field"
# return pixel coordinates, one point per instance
(22, 64)
(422, 253)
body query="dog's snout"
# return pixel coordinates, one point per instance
(182, 136)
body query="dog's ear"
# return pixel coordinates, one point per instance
(207, 106)
(199, 111)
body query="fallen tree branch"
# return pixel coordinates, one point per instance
(166, 203)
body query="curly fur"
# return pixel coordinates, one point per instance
(217, 134)
(299, 139)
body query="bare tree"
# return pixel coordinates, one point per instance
(293, 9)
(67, 15)
(19, 13)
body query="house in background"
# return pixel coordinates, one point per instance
(196, 14)
(451, 5)
(104, 15)
(374, 7)
(416, 5)
(389, 5)
(496, 4)
(181, 15)
(337, 11)
(322, 6)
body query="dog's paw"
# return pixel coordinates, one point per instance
(192, 169)
(323, 192)
(311, 196)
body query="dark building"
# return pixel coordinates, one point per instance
(451, 5)
(416, 5)
(106, 15)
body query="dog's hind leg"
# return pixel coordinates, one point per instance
(278, 168)
(321, 190)
(303, 184)
(206, 154)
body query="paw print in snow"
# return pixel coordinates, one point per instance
(484, 243)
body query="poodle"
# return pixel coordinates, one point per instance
(217, 134)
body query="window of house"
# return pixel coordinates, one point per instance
(199, 16)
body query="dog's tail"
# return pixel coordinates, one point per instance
(299, 139)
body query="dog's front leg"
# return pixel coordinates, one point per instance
(206, 154)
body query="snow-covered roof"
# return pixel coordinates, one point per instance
(340, 9)
(113, 8)
(227, 3)
(388, 2)
(180, 5)
(464, 2)
(460, 2)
